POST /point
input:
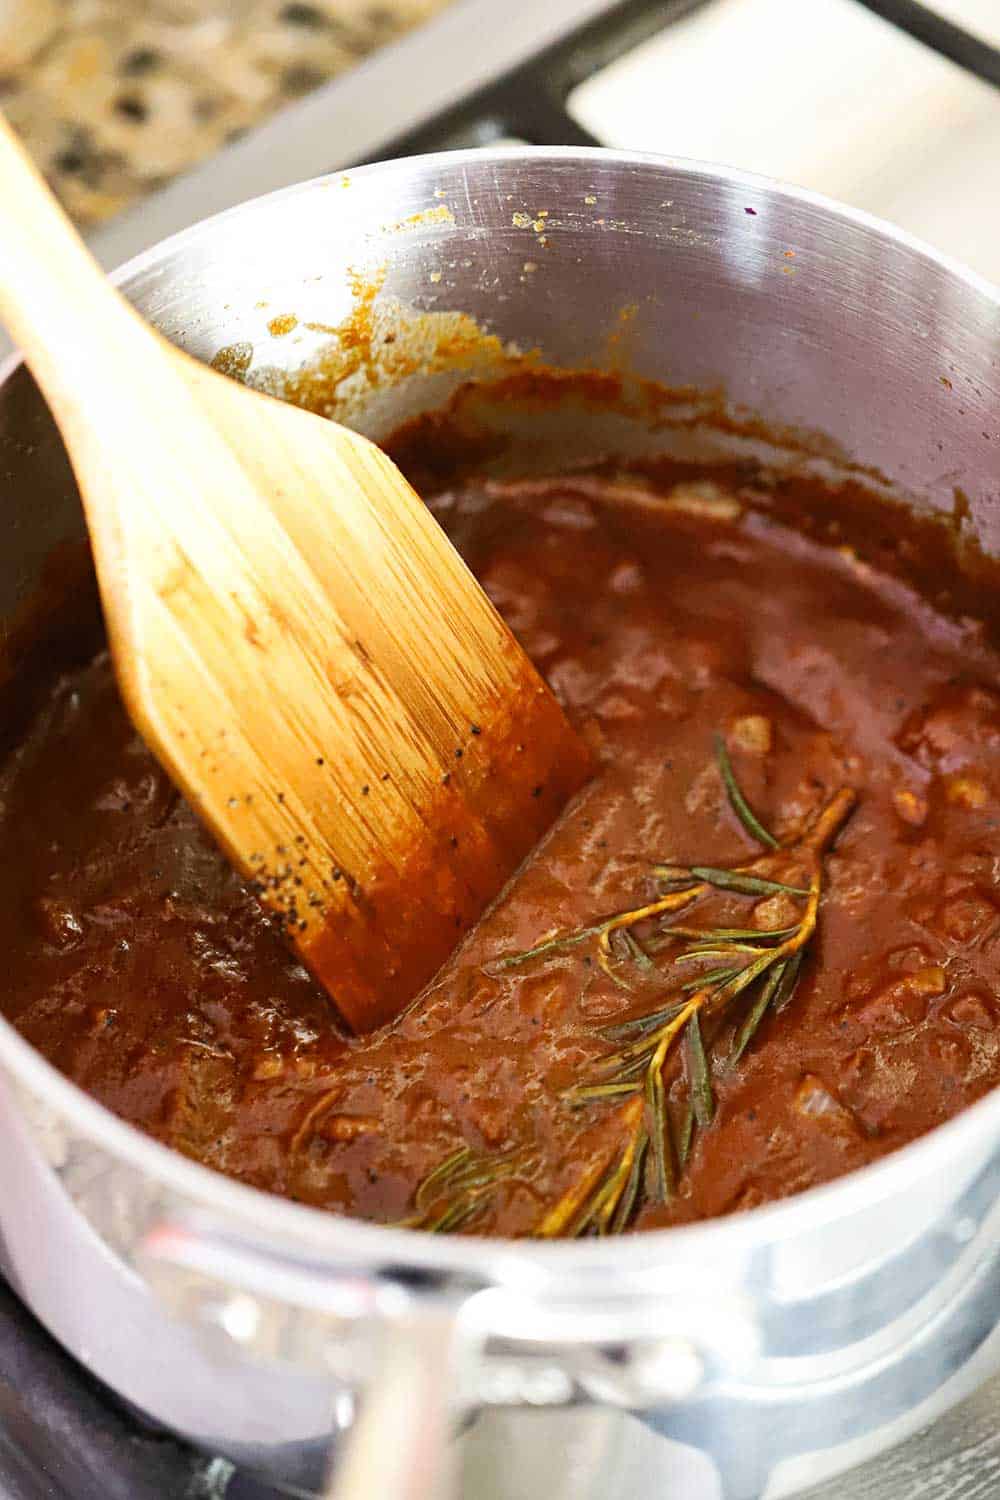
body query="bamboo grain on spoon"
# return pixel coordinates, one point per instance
(294, 636)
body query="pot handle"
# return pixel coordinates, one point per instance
(400, 1445)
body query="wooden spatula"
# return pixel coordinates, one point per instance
(295, 637)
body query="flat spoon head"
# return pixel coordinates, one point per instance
(305, 650)
(294, 635)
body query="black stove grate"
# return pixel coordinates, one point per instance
(63, 1436)
(530, 103)
(941, 35)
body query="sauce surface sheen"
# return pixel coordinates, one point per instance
(143, 968)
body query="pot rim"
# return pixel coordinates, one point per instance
(331, 1240)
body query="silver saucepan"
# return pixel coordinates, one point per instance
(734, 1358)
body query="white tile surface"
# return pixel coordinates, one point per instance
(821, 93)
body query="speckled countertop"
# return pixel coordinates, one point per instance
(114, 97)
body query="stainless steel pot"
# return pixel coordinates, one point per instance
(745, 1356)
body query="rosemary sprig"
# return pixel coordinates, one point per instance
(764, 964)
(680, 885)
(773, 964)
(457, 1189)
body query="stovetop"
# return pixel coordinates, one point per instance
(889, 104)
(64, 1437)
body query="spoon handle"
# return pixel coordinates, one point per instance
(401, 1444)
(118, 391)
(77, 333)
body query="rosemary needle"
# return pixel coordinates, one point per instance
(745, 885)
(737, 801)
(702, 1097)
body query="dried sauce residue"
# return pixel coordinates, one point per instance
(233, 360)
(281, 325)
(382, 342)
(442, 214)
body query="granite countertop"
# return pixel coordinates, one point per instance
(114, 97)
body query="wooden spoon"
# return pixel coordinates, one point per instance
(295, 637)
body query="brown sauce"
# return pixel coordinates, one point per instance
(142, 967)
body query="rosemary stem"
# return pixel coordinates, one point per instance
(830, 821)
(559, 1219)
